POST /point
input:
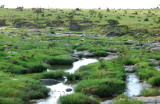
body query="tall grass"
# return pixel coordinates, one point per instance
(77, 98)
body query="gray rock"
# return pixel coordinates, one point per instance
(88, 55)
(107, 102)
(49, 81)
(156, 62)
(68, 90)
(129, 69)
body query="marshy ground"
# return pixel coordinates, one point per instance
(94, 55)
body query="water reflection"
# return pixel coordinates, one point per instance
(133, 86)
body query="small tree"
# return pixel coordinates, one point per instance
(107, 10)
(100, 15)
(19, 8)
(113, 23)
(38, 11)
(2, 6)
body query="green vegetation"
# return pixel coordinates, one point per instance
(123, 99)
(155, 81)
(77, 98)
(98, 86)
(33, 40)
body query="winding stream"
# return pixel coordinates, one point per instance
(59, 89)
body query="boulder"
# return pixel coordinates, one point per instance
(68, 90)
(113, 33)
(24, 24)
(49, 81)
(129, 69)
(88, 55)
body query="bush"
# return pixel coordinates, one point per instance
(154, 81)
(53, 75)
(146, 19)
(60, 60)
(99, 86)
(77, 98)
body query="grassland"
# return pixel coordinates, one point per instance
(26, 53)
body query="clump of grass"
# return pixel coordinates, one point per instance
(58, 74)
(18, 70)
(81, 48)
(150, 92)
(36, 68)
(2, 54)
(73, 77)
(123, 99)
(99, 86)
(100, 53)
(60, 60)
(154, 81)
(77, 98)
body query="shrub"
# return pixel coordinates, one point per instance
(77, 98)
(53, 75)
(99, 86)
(146, 19)
(60, 60)
(154, 81)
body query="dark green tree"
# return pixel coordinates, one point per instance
(113, 23)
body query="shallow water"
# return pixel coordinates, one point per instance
(133, 85)
(59, 89)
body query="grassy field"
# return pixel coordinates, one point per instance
(25, 53)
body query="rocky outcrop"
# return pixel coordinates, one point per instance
(24, 24)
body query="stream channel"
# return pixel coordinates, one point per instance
(133, 87)
(59, 89)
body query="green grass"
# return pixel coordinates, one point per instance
(123, 99)
(150, 92)
(60, 60)
(154, 81)
(58, 74)
(77, 98)
(98, 86)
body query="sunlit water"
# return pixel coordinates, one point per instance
(133, 86)
(59, 89)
